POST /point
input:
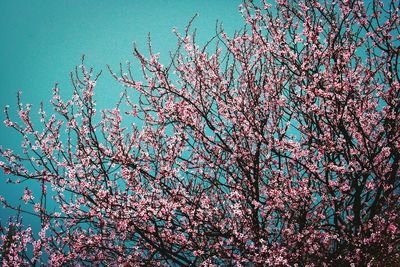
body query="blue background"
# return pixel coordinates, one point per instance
(42, 41)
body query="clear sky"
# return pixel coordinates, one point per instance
(43, 40)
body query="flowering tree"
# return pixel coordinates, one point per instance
(276, 146)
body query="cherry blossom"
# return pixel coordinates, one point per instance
(278, 145)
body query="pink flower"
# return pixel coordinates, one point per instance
(392, 228)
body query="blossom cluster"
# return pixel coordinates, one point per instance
(277, 146)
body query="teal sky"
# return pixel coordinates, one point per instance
(43, 40)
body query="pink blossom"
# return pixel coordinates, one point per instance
(277, 145)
